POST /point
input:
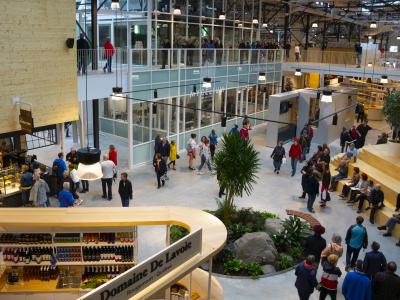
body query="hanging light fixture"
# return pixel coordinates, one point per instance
(117, 94)
(264, 25)
(326, 96)
(115, 4)
(89, 167)
(398, 37)
(206, 83)
(261, 77)
(370, 37)
(297, 72)
(384, 79)
(369, 64)
(222, 16)
(373, 25)
(271, 31)
(314, 25)
(177, 11)
(240, 25)
(255, 21)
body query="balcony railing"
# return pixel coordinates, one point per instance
(99, 59)
(368, 59)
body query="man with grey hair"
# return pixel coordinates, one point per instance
(108, 169)
(334, 247)
(386, 285)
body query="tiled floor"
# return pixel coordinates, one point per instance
(272, 192)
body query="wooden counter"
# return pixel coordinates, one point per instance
(64, 219)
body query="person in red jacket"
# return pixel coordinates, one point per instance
(244, 132)
(113, 156)
(108, 54)
(295, 154)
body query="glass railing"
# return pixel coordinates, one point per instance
(389, 60)
(110, 61)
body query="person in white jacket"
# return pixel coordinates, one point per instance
(108, 168)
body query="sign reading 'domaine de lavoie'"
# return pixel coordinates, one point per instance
(139, 277)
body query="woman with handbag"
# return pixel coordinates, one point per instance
(160, 168)
(278, 155)
(326, 181)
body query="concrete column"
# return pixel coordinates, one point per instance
(129, 101)
(321, 80)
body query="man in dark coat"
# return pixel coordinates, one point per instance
(386, 285)
(306, 279)
(314, 244)
(312, 189)
(82, 46)
(374, 261)
(125, 190)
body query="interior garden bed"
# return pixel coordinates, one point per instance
(258, 243)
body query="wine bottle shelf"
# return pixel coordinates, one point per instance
(72, 263)
(100, 244)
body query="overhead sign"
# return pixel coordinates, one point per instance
(26, 121)
(136, 279)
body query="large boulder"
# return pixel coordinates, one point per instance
(273, 226)
(256, 247)
(268, 269)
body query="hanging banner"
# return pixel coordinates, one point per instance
(144, 274)
(26, 121)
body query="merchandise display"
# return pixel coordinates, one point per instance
(64, 260)
(9, 180)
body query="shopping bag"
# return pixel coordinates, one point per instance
(284, 160)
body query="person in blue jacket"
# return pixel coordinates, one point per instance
(59, 167)
(235, 129)
(306, 279)
(356, 284)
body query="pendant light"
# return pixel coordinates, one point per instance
(255, 21)
(240, 25)
(261, 77)
(370, 65)
(398, 37)
(297, 72)
(177, 11)
(89, 167)
(370, 37)
(222, 16)
(326, 96)
(384, 79)
(373, 25)
(271, 31)
(264, 25)
(314, 25)
(117, 94)
(206, 83)
(115, 4)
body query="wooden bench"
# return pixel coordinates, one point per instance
(305, 216)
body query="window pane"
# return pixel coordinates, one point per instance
(206, 104)
(191, 115)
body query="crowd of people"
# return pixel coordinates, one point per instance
(370, 278)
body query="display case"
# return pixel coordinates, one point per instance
(65, 261)
(9, 181)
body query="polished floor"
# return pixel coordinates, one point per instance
(272, 192)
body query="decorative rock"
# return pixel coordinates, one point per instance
(268, 269)
(256, 247)
(273, 226)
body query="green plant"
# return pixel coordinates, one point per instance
(284, 262)
(233, 265)
(296, 252)
(236, 166)
(391, 108)
(177, 232)
(295, 231)
(253, 269)
(280, 242)
(236, 231)
(268, 215)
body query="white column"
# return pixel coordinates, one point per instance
(321, 80)
(129, 101)
(149, 36)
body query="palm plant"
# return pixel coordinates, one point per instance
(236, 166)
